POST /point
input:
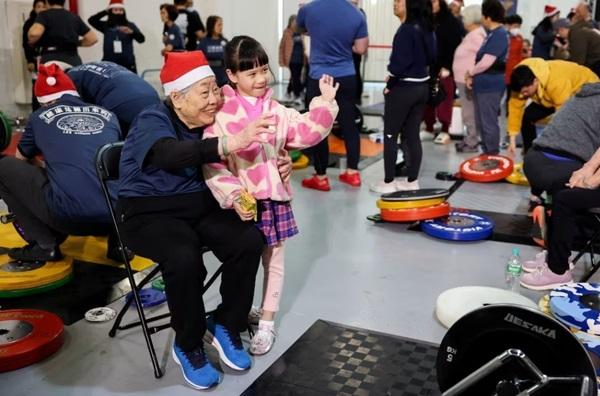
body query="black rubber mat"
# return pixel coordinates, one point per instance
(93, 285)
(332, 359)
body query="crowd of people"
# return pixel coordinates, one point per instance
(211, 160)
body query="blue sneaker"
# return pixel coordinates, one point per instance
(229, 345)
(197, 370)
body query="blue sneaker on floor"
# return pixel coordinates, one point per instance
(197, 370)
(229, 344)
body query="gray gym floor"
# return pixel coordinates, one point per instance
(341, 268)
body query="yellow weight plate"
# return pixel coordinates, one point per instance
(517, 176)
(301, 163)
(544, 304)
(15, 278)
(423, 203)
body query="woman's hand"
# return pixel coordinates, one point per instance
(469, 80)
(243, 214)
(256, 132)
(444, 73)
(328, 89)
(579, 177)
(512, 145)
(284, 166)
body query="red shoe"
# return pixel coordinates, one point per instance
(351, 178)
(316, 183)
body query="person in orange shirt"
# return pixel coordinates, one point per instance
(512, 24)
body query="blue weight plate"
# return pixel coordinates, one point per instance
(459, 226)
(577, 305)
(415, 195)
(150, 297)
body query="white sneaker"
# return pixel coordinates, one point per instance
(254, 315)
(263, 339)
(426, 136)
(405, 185)
(442, 138)
(384, 188)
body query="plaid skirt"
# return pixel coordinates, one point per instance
(276, 221)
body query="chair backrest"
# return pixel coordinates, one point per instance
(107, 161)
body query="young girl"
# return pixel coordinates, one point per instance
(255, 169)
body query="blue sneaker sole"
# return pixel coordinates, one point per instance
(210, 338)
(189, 382)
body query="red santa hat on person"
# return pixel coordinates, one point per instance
(550, 11)
(52, 83)
(116, 4)
(182, 69)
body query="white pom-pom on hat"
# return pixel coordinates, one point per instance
(51, 81)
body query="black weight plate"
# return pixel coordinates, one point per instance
(415, 195)
(483, 334)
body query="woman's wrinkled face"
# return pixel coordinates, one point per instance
(39, 7)
(198, 106)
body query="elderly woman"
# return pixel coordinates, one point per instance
(168, 214)
(464, 60)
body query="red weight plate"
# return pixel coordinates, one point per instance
(28, 336)
(486, 168)
(402, 215)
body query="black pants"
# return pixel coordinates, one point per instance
(346, 97)
(359, 82)
(596, 68)
(533, 113)
(547, 174)
(295, 84)
(404, 107)
(34, 102)
(23, 188)
(173, 233)
(566, 205)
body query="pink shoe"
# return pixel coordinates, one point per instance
(537, 262)
(544, 279)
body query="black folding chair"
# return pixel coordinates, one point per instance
(107, 167)
(589, 246)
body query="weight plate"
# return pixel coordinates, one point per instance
(517, 176)
(415, 195)
(455, 303)
(150, 297)
(32, 277)
(544, 304)
(403, 215)
(295, 155)
(486, 168)
(485, 333)
(459, 226)
(301, 163)
(577, 305)
(28, 336)
(158, 284)
(409, 204)
(100, 314)
(35, 290)
(5, 132)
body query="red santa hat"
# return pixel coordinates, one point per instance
(182, 69)
(116, 4)
(550, 11)
(52, 83)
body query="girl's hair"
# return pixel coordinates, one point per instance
(291, 20)
(171, 11)
(419, 12)
(244, 53)
(211, 21)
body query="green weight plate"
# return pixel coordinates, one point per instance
(158, 284)
(295, 155)
(35, 290)
(5, 131)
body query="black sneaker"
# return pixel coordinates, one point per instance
(34, 252)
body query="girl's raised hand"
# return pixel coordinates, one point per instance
(328, 90)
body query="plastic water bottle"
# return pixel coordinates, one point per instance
(513, 271)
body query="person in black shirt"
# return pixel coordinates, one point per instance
(190, 24)
(213, 46)
(119, 34)
(58, 32)
(31, 52)
(172, 36)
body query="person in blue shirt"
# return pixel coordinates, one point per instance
(115, 88)
(65, 197)
(486, 78)
(172, 36)
(336, 29)
(213, 45)
(414, 51)
(119, 34)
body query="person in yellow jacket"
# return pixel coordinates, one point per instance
(549, 84)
